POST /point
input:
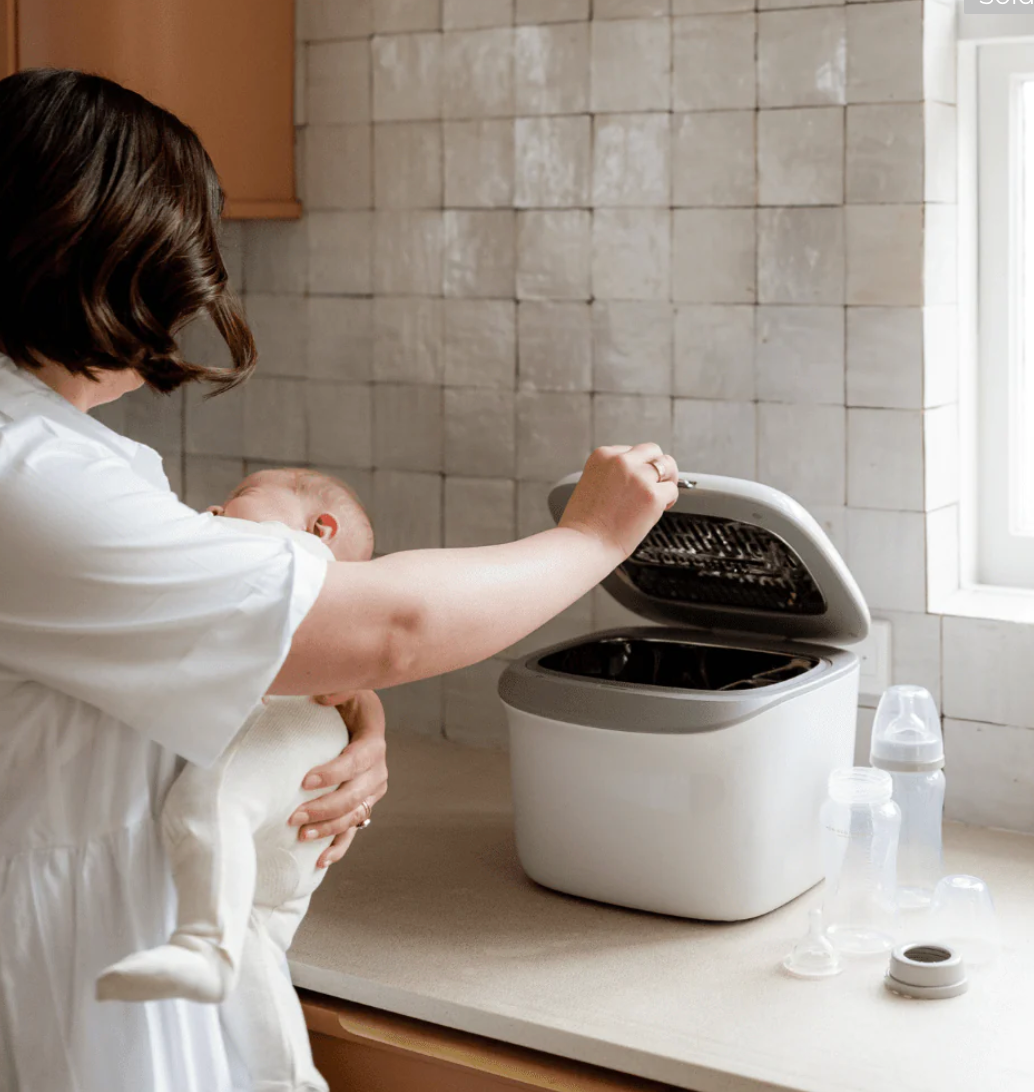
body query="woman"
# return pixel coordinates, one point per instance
(135, 632)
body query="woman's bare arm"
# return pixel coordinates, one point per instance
(411, 615)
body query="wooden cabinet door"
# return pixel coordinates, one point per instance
(358, 1049)
(8, 38)
(225, 67)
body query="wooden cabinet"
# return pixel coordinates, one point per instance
(359, 1049)
(8, 38)
(226, 67)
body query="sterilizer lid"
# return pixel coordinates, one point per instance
(739, 556)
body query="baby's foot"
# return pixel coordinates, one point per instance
(168, 971)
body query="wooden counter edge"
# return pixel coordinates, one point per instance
(470, 1053)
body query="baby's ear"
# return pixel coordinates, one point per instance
(215, 510)
(326, 527)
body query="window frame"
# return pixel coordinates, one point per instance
(954, 571)
(1004, 547)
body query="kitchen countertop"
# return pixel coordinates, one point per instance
(431, 917)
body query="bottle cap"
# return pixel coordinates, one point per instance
(927, 971)
(906, 734)
(963, 916)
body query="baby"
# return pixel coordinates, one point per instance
(243, 879)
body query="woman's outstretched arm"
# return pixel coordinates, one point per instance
(411, 615)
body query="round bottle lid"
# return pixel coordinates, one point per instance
(926, 971)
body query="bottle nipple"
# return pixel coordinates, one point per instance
(813, 956)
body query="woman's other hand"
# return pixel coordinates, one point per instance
(359, 774)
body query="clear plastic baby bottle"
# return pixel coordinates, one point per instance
(860, 829)
(908, 744)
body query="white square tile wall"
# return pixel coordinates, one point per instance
(479, 511)
(534, 226)
(408, 426)
(632, 161)
(800, 354)
(554, 346)
(631, 418)
(884, 255)
(802, 57)
(398, 15)
(480, 343)
(801, 156)
(713, 158)
(553, 157)
(407, 165)
(407, 77)
(801, 451)
(631, 254)
(554, 254)
(801, 255)
(885, 51)
(631, 65)
(478, 164)
(477, 73)
(714, 65)
(472, 14)
(714, 352)
(407, 340)
(551, 69)
(714, 256)
(551, 11)
(480, 438)
(632, 347)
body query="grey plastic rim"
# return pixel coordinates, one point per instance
(631, 707)
(925, 993)
(846, 617)
(929, 971)
(891, 766)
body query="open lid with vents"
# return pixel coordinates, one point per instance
(738, 556)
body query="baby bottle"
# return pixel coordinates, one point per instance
(907, 743)
(860, 829)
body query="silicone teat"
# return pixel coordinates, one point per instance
(906, 732)
(813, 956)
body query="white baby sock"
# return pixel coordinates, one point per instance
(197, 974)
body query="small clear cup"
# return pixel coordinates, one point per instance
(963, 915)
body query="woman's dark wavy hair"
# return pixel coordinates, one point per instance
(109, 210)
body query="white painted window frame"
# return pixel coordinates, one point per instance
(964, 579)
(1005, 476)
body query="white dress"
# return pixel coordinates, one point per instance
(132, 631)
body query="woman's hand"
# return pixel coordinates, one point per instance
(621, 495)
(360, 771)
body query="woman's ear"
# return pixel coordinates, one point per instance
(326, 527)
(215, 509)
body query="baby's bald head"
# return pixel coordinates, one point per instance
(306, 500)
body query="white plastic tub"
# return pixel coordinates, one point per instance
(678, 769)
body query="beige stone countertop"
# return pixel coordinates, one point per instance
(430, 916)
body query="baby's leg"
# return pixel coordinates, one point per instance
(208, 836)
(263, 1016)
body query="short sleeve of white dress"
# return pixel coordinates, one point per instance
(118, 595)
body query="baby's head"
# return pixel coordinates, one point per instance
(305, 500)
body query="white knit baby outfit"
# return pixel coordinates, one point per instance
(243, 881)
